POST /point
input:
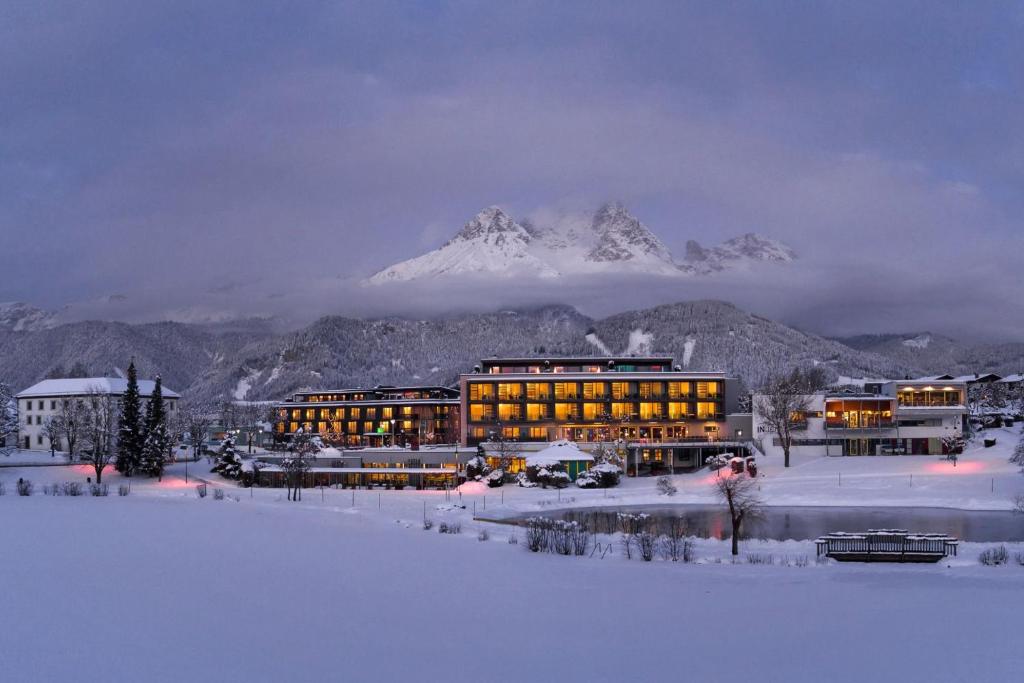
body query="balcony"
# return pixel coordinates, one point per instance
(846, 426)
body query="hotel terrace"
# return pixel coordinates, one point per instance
(667, 418)
(382, 416)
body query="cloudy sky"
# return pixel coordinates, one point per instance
(249, 157)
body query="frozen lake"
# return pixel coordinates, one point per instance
(806, 523)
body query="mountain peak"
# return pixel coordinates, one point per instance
(490, 222)
(622, 237)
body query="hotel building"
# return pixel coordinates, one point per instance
(907, 417)
(382, 416)
(666, 417)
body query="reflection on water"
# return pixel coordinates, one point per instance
(805, 523)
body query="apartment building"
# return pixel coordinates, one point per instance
(45, 399)
(381, 416)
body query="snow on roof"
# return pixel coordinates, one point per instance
(81, 386)
(1012, 379)
(559, 451)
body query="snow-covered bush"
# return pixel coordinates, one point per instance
(717, 462)
(428, 524)
(524, 481)
(495, 478)
(586, 481)
(1020, 558)
(548, 473)
(229, 462)
(123, 490)
(25, 487)
(3, 489)
(201, 490)
(601, 476)
(993, 557)
(218, 494)
(71, 488)
(450, 528)
(556, 536)
(483, 535)
(477, 467)
(99, 490)
(666, 487)
(1017, 458)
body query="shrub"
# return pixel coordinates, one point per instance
(201, 490)
(3, 489)
(524, 481)
(550, 473)
(495, 478)
(218, 494)
(760, 558)
(1020, 558)
(993, 557)
(71, 488)
(556, 536)
(477, 468)
(666, 487)
(25, 487)
(123, 490)
(646, 542)
(483, 535)
(513, 539)
(587, 481)
(453, 528)
(99, 490)
(428, 524)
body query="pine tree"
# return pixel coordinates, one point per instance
(129, 429)
(157, 439)
(229, 463)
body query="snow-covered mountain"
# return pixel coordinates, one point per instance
(739, 251)
(610, 240)
(21, 317)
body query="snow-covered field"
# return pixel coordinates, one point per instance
(162, 585)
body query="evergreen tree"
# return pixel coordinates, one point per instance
(157, 438)
(129, 429)
(229, 463)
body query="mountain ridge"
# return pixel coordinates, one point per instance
(610, 240)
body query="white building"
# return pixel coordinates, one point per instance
(908, 417)
(44, 399)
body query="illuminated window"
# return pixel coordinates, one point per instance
(650, 390)
(481, 392)
(591, 411)
(621, 410)
(510, 432)
(566, 390)
(705, 410)
(387, 412)
(321, 427)
(510, 391)
(566, 411)
(355, 413)
(620, 390)
(310, 414)
(508, 411)
(592, 390)
(677, 410)
(538, 434)
(650, 411)
(407, 425)
(293, 427)
(536, 411)
(678, 389)
(707, 389)
(371, 413)
(352, 427)
(538, 391)
(367, 427)
(407, 410)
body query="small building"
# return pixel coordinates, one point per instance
(44, 400)
(389, 467)
(573, 460)
(905, 417)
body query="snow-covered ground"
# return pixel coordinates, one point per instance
(162, 585)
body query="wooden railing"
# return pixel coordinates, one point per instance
(886, 545)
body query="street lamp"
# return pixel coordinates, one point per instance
(392, 432)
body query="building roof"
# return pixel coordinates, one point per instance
(81, 386)
(1012, 379)
(559, 451)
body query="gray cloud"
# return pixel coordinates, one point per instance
(218, 158)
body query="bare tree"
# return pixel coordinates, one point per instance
(196, 418)
(53, 430)
(8, 419)
(502, 449)
(783, 403)
(1017, 458)
(303, 447)
(74, 418)
(739, 493)
(101, 419)
(250, 418)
